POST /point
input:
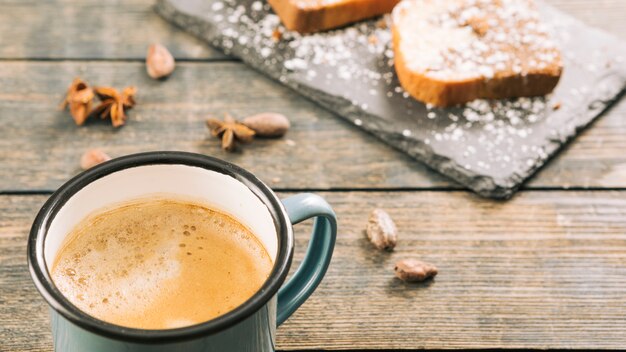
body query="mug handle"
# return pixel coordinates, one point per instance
(319, 252)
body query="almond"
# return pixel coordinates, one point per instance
(93, 157)
(159, 62)
(268, 124)
(381, 230)
(412, 270)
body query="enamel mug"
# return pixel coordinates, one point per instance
(251, 327)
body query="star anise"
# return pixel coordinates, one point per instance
(79, 98)
(230, 131)
(114, 104)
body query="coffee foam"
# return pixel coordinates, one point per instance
(155, 264)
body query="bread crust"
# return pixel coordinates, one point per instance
(444, 93)
(316, 18)
(447, 92)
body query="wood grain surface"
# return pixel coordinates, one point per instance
(547, 269)
(42, 146)
(96, 29)
(544, 270)
(91, 29)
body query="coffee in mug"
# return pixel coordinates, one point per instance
(103, 255)
(160, 263)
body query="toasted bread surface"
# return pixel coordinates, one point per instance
(309, 16)
(450, 52)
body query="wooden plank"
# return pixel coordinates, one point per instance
(41, 146)
(93, 29)
(18, 296)
(545, 270)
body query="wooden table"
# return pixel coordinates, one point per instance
(544, 270)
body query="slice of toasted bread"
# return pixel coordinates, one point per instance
(450, 52)
(309, 16)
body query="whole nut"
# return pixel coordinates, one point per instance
(381, 230)
(268, 124)
(412, 270)
(93, 157)
(159, 62)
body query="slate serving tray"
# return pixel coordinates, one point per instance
(491, 147)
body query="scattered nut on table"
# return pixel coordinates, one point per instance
(381, 230)
(413, 270)
(93, 157)
(268, 124)
(159, 62)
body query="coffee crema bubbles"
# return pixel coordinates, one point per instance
(160, 264)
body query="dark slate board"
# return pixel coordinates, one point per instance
(490, 147)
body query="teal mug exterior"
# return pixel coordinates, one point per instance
(249, 327)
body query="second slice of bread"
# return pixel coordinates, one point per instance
(309, 16)
(450, 52)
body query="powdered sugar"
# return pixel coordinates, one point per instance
(308, 4)
(474, 39)
(351, 72)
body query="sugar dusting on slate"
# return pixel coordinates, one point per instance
(490, 146)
